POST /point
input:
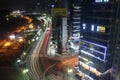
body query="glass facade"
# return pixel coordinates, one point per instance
(97, 38)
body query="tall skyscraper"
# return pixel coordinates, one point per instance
(99, 38)
(76, 19)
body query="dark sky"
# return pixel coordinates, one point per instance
(12, 4)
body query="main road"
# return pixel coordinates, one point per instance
(40, 66)
(37, 62)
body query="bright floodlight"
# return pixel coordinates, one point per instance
(18, 60)
(70, 70)
(25, 71)
(12, 37)
(24, 53)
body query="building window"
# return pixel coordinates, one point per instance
(84, 26)
(101, 0)
(101, 28)
(106, 0)
(98, 0)
(92, 28)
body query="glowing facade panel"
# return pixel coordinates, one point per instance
(91, 69)
(87, 53)
(95, 53)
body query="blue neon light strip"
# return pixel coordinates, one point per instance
(94, 44)
(105, 53)
(97, 45)
(93, 50)
(87, 53)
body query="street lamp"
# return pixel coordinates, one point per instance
(25, 75)
(25, 71)
(24, 53)
(68, 72)
(18, 60)
(47, 70)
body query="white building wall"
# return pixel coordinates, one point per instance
(64, 34)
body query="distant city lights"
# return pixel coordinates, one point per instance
(52, 5)
(12, 37)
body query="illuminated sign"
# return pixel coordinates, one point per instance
(101, 28)
(58, 12)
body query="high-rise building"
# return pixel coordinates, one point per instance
(99, 38)
(59, 25)
(73, 15)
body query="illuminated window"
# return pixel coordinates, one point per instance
(92, 28)
(84, 26)
(98, 0)
(97, 28)
(52, 5)
(106, 0)
(101, 28)
(101, 0)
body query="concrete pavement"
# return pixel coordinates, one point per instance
(51, 52)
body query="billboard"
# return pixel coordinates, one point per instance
(58, 12)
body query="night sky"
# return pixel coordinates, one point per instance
(12, 4)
